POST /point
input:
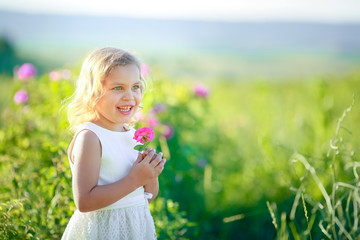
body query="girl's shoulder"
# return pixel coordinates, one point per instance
(87, 138)
(83, 140)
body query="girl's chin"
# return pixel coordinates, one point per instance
(126, 118)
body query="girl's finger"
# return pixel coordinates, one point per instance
(162, 163)
(139, 157)
(146, 151)
(156, 161)
(156, 155)
(149, 156)
(160, 167)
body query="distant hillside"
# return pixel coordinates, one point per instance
(66, 38)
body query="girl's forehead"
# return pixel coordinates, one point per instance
(123, 74)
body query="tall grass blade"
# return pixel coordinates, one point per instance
(323, 230)
(311, 169)
(272, 214)
(342, 228)
(296, 203)
(294, 231)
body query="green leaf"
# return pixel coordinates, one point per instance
(139, 147)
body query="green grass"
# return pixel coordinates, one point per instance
(6, 85)
(250, 147)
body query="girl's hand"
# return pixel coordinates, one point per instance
(160, 154)
(147, 166)
(146, 152)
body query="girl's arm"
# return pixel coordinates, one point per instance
(86, 155)
(153, 188)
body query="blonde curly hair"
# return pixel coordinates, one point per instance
(89, 86)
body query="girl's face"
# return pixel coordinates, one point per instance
(121, 98)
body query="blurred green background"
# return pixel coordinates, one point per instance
(258, 121)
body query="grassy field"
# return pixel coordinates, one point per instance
(240, 159)
(6, 85)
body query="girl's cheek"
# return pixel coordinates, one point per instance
(139, 98)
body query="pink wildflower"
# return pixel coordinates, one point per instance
(168, 131)
(201, 91)
(145, 70)
(65, 74)
(21, 96)
(144, 135)
(26, 71)
(153, 122)
(158, 108)
(54, 76)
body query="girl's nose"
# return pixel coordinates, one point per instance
(127, 95)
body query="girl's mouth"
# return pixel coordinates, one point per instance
(125, 109)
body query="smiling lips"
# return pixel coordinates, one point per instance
(125, 109)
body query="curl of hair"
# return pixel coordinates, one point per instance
(89, 86)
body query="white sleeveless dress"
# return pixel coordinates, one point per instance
(127, 219)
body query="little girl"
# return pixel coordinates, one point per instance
(112, 182)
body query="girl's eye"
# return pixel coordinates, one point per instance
(136, 87)
(117, 88)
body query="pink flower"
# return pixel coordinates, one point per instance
(168, 131)
(21, 96)
(201, 91)
(153, 122)
(54, 76)
(144, 135)
(158, 108)
(58, 75)
(65, 74)
(26, 71)
(145, 70)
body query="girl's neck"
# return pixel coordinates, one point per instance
(116, 128)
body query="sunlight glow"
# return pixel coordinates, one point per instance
(228, 10)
